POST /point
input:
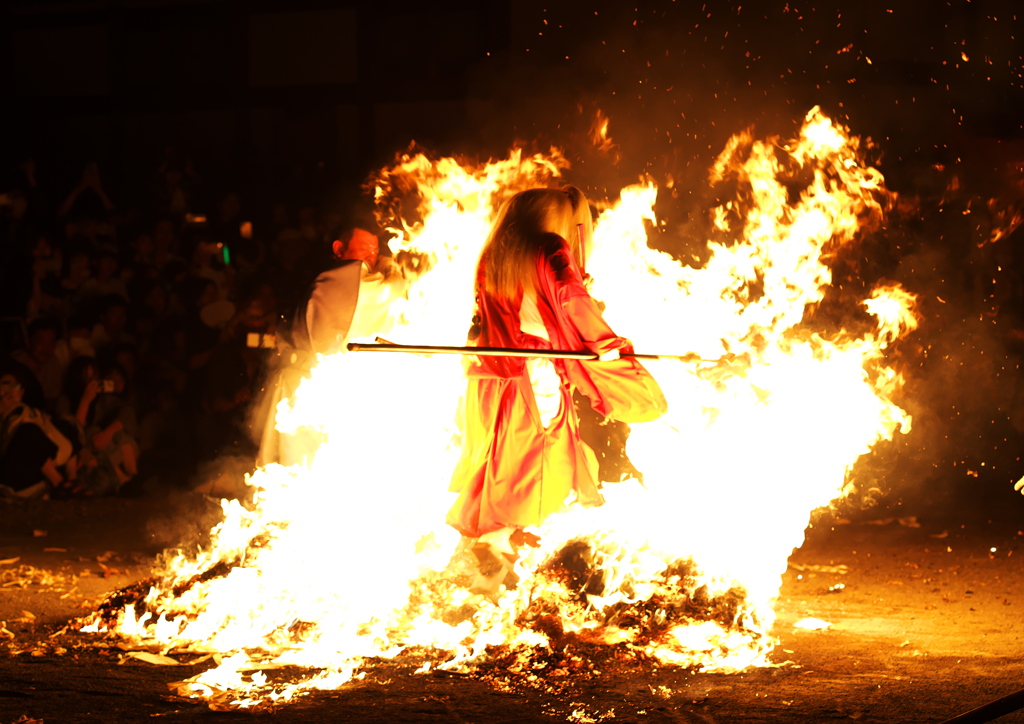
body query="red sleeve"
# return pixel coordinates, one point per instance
(575, 312)
(622, 389)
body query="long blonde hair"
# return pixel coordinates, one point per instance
(509, 256)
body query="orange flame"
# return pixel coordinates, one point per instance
(600, 138)
(346, 556)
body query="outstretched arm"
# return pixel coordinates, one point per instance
(618, 387)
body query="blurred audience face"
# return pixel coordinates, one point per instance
(265, 294)
(117, 377)
(332, 220)
(10, 393)
(80, 342)
(209, 295)
(156, 300)
(307, 216)
(163, 235)
(115, 319)
(204, 253)
(128, 362)
(80, 267)
(106, 267)
(291, 248)
(144, 246)
(143, 325)
(42, 344)
(42, 248)
(15, 206)
(255, 317)
(88, 373)
(173, 177)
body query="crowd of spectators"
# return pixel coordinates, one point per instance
(127, 332)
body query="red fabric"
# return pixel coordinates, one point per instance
(513, 472)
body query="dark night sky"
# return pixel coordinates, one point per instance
(678, 78)
(349, 84)
(306, 98)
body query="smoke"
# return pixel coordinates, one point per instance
(184, 521)
(187, 515)
(961, 366)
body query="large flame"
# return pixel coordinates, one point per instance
(347, 557)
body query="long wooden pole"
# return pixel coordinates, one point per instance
(992, 710)
(506, 352)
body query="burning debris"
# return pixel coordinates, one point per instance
(26, 575)
(345, 560)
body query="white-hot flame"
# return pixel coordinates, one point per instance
(347, 557)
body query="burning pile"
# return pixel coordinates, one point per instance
(346, 557)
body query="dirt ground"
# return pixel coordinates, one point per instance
(926, 624)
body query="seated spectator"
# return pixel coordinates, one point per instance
(167, 358)
(235, 374)
(166, 439)
(77, 271)
(176, 181)
(31, 390)
(143, 257)
(174, 277)
(32, 449)
(78, 342)
(201, 330)
(308, 227)
(17, 234)
(47, 297)
(207, 263)
(292, 258)
(104, 427)
(26, 185)
(106, 282)
(124, 359)
(143, 325)
(41, 358)
(278, 220)
(151, 308)
(105, 241)
(112, 325)
(165, 244)
(226, 225)
(152, 295)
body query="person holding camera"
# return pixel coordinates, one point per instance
(104, 428)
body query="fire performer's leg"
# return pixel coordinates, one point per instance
(499, 540)
(495, 559)
(496, 554)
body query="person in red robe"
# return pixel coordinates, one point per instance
(522, 457)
